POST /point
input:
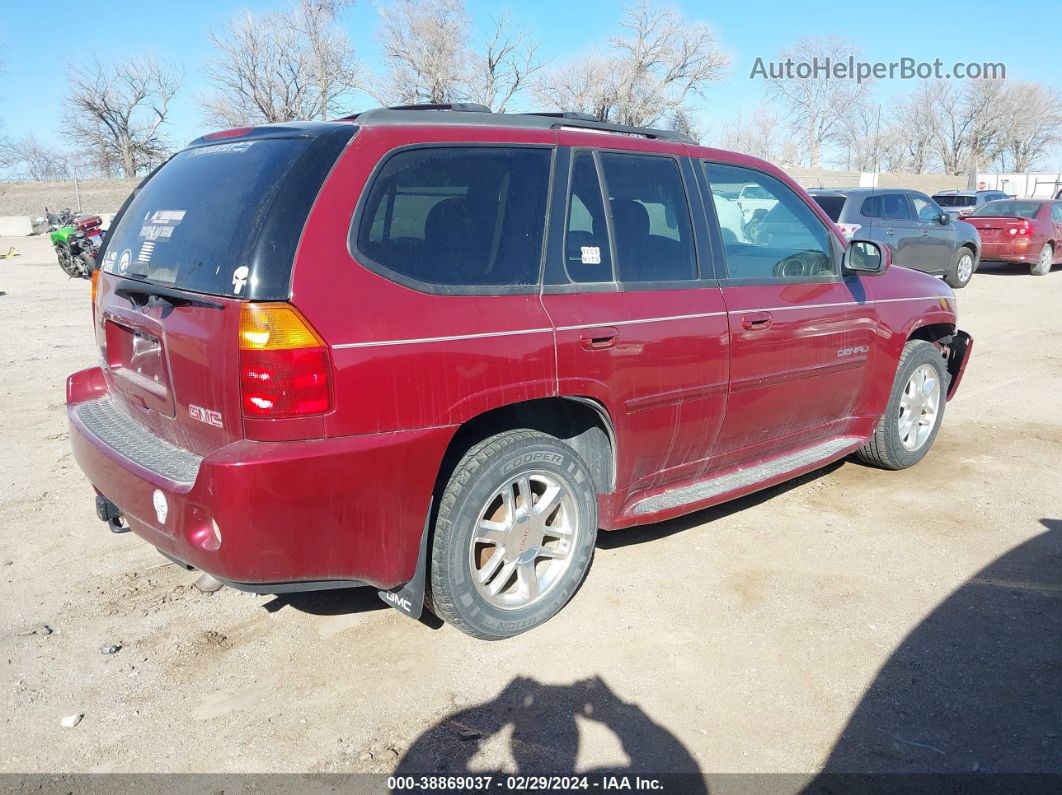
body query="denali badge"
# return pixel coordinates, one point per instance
(158, 499)
(852, 351)
(205, 415)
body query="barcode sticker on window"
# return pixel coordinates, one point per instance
(591, 255)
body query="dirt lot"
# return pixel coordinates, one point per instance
(854, 620)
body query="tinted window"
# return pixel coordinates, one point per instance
(1007, 209)
(195, 223)
(587, 257)
(894, 206)
(831, 205)
(871, 207)
(784, 240)
(650, 218)
(951, 200)
(1056, 212)
(459, 215)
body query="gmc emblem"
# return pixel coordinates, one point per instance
(205, 415)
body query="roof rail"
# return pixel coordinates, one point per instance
(456, 113)
(560, 114)
(458, 107)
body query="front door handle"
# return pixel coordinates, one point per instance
(598, 339)
(756, 321)
(890, 231)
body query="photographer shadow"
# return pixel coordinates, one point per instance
(545, 735)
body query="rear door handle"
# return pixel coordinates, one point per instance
(598, 339)
(890, 231)
(755, 321)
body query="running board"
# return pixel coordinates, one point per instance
(742, 478)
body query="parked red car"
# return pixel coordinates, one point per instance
(1027, 231)
(437, 350)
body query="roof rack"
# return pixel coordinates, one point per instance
(457, 113)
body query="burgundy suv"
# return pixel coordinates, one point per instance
(433, 350)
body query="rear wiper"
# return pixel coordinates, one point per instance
(134, 290)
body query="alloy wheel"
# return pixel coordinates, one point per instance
(523, 540)
(919, 407)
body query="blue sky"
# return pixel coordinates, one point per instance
(1025, 36)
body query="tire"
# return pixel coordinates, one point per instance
(464, 570)
(889, 448)
(66, 262)
(962, 270)
(1043, 261)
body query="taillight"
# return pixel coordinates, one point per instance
(1023, 230)
(284, 364)
(849, 229)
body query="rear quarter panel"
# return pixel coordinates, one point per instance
(406, 359)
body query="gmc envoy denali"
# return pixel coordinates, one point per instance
(434, 349)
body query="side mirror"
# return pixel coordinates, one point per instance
(944, 219)
(866, 256)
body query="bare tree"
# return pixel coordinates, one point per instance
(652, 72)
(510, 56)
(280, 66)
(967, 120)
(908, 132)
(423, 44)
(119, 110)
(32, 159)
(815, 105)
(759, 134)
(858, 135)
(1031, 125)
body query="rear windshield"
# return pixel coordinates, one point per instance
(950, 200)
(831, 205)
(1007, 210)
(195, 223)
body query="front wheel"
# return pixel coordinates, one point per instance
(962, 271)
(912, 418)
(1043, 261)
(514, 535)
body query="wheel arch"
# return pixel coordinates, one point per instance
(581, 422)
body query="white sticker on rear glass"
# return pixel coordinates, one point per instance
(109, 260)
(591, 255)
(239, 278)
(123, 261)
(222, 149)
(160, 224)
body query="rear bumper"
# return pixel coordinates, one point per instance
(341, 509)
(1017, 251)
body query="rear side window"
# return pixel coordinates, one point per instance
(195, 223)
(458, 216)
(886, 205)
(650, 218)
(952, 200)
(831, 205)
(586, 245)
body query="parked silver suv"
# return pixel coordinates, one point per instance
(960, 203)
(921, 235)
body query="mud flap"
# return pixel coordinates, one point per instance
(409, 598)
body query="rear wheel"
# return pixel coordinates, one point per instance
(514, 535)
(67, 263)
(1042, 266)
(912, 419)
(963, 269)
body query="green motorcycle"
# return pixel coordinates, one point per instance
(76, 239)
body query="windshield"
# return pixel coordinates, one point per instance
(951, 200)
(831, 205)
(194, 224)
(1007, 210)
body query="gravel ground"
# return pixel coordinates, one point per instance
(852, 620)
